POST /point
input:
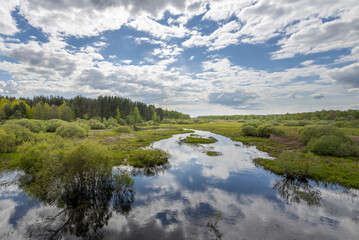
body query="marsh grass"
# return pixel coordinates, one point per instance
(148, 157)
(196, 139)
(213, 153)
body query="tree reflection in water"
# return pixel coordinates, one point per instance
(85, 192)
(296, 191)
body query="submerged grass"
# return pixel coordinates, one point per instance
(213, 153)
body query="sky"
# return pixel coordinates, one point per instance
(200, 57)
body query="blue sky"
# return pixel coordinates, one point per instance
(197, 56)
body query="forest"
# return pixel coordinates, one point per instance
(103, 107)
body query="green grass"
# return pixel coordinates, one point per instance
(334, 170)
(198, 140)
(213, 153)
(147, 157)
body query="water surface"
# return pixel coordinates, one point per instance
(181, 201)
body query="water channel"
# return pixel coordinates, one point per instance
(195, 196)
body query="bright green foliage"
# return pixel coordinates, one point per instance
(122, 129)
(333, 146)
(249, 131)
(148, 157)
(136, 115)
(110, 122)
(53, 124)
(130, 120)
(32, 124)
(95, 124)
(118, 115)
(38, 111)
(21, 133)
(71, 130)
(87, 161)
(7, 142)
(65, 112)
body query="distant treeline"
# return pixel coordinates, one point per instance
(43, 107)
(318, 115)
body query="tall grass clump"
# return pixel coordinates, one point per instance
(68, 130)
(148, 157)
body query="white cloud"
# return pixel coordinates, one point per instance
(7, 23)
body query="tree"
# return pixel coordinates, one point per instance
(118, 115)
(38, 111)
(65, 112)
(136, 115)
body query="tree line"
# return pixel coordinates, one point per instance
(104, 107)
(338, 115)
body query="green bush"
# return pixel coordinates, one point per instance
(297, 123)
(87, 161)
(110, 122)
(249, 131)
(122, 122)
(309, 132)
(148, 157)
(71, 130)
(32, 124)
(295, 164)
(333, 146)
(21, 133)
(53, 124)
(95, 124)
(7, 142)
(122, 129)
(267, 130)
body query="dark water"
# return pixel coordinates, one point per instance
(196, 197)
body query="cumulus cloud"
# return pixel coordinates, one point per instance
(9, 87)
(318, 95)
(348, 75)
(237, 99)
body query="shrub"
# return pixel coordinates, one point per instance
(87, 161)
(249, 131)
(7, 142)
(267, 130)
(21, 133)
(297, 123)
(122, 122)
(294, 164)
(333, 146)
(32, 124)
(110, 122)
(71, 130)
(309, 132)
(53, 124)
(148, 157)
(95, 124)
(122, 129)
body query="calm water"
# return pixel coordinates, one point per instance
(196, 197)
